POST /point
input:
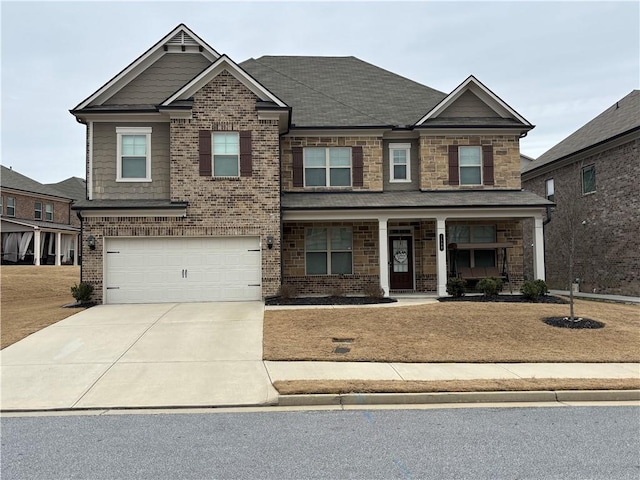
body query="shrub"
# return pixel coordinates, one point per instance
(490, 286)
(373, 290)
(82, 292)
(533, 290)
(456, 287)
(287, 291)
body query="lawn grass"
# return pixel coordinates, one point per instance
(297, 387)
(454, 332)
(32, 299)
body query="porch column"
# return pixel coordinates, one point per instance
(441, 256)
(383, 243)
(36, 246)
(75, 250)
(58, 249)
(538, 249)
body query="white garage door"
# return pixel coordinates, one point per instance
(157, 270)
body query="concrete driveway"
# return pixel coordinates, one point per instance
(152, 355)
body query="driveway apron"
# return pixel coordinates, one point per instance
(136, 356)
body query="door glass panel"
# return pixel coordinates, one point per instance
(400, 256)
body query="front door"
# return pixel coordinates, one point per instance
(401, 254)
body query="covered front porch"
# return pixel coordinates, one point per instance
(411, 249)
(32, 242)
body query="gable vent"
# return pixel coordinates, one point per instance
(182, 38)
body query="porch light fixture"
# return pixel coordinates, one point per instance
(91, 242)
(269, 242)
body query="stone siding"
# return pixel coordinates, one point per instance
(371, 158)
(434, 164)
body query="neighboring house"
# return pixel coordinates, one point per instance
(525, 161)
(210, 180)
(38, 226)
(592, 176)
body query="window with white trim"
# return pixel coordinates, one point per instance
(550, 190)
(226, 154)
(589, 179)
(37, 211)
(48, 212)
(327, 167)
(329, 251)
(133, 154)
(400, 162)
(11, 207)
(473, 257)
(470, 159)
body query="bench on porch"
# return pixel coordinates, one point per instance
(478, 273)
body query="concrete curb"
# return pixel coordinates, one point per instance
(458, 397)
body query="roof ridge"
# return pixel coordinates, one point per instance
(319, 91)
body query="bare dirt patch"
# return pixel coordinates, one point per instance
(297, 387)
(454, 332)
(33, 298)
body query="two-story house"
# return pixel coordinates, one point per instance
(210, 180)
(38, 225)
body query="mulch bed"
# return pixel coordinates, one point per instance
(505, 299)
(328, 301)
(565, 322)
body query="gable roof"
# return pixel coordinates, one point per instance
(16, 181)
(504, 113)
(617, 120)
(180, 38)
(223, 63)
(342, 91)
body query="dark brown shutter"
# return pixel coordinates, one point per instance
(454, 173)
(205, 153)
(298, 167)
(487, 164)
(246, 163)
(356, 165)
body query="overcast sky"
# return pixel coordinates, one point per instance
(558, 64)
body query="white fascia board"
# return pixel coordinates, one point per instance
(439, 132)
(141, 64)
(406, 214)
(158, 212)
(481, 91)
(221, 64)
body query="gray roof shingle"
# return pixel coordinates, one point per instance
(622, 117)
(413, 199)
(73, 187)
(342, 91)
(16, 181)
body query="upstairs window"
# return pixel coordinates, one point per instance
(470, 165)
(226, 154)
(327, 167)
(550, 190)
(133, 154)
(329, 251)
(37, 211)
(589, 179)
(400, 162)
(11, 207)
(48, 212)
